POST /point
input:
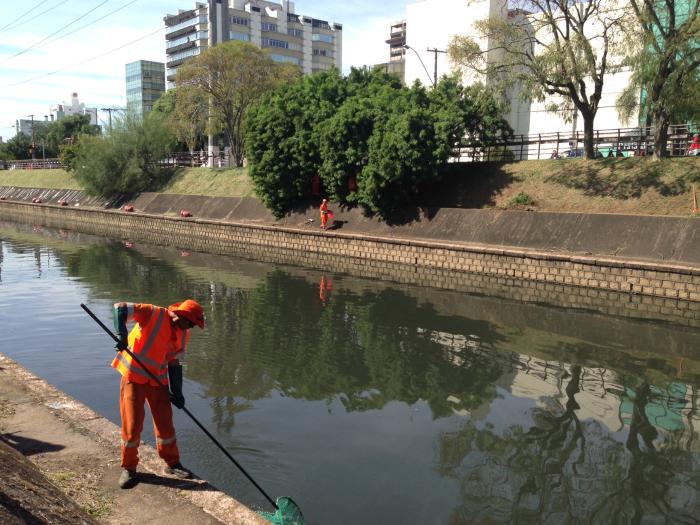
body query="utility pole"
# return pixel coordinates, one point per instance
(110, 115)
(435, 51)
(33, 146)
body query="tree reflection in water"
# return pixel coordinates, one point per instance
(360, 350)
(564, 470)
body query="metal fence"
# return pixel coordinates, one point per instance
(37, 164)
(198, 159)
(618, 142)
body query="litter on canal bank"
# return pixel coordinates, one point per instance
(78, 451)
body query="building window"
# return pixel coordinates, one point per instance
(299, 33)
(186, 23)
(323, 52)
(317, 37)
(239, 20)
(272, 42)
(267, 26)
(286, 59)
(321, 24)
(243, 37)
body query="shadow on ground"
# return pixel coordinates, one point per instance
(29, 446)
(621, 178)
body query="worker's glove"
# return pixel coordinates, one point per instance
(175, 377)
(120, 315)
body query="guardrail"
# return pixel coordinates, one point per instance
(618, 142)
(37, 164)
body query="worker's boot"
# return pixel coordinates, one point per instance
(178, 471)
(128, 479)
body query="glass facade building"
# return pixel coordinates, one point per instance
(145, 83)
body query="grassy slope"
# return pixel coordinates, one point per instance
(633, 185)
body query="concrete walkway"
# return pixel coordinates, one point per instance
(78, 450)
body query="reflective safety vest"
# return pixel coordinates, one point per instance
(155, 344)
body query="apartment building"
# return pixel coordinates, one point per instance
(145, 83)
(397, 50)
(313, 44)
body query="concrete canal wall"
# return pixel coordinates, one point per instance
(649, 256)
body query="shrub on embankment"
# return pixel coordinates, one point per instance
(126, 161)
(361, 140)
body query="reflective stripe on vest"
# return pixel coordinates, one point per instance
(149, 345)
(130, 444)
(163, 442)
(134, 368)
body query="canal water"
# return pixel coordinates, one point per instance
(373, 402)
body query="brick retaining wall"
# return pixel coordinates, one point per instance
(436, 264)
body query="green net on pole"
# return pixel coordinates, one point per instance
(288, 513)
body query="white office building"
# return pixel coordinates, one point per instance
(312, 44)
(431, 24)
(74, 107)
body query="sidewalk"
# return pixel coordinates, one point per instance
(77, 449)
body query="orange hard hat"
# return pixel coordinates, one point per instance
(190, 310)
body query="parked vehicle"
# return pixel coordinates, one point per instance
(574, 154)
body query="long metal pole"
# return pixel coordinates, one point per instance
(135, 358)
(406, 46)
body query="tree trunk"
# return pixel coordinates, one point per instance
(588, 146)
(661, 123)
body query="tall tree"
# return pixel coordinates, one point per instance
(231, 76)
(68, 129)
(665, 56)
(186, 112)
(552, 51)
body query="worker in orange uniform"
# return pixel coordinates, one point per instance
(325, 213)
(158, 339)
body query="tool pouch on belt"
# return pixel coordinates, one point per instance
(175, 378)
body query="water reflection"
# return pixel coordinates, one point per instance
(534, 414)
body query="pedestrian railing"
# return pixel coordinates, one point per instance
(618, 142)
(38, 164)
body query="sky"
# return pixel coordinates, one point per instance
(52, 48)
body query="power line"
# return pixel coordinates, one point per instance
(37, 16)
(55, 32)
(20, 17)
(86, 25)
(84, 61)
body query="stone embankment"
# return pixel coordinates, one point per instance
(643, 255)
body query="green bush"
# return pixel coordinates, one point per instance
(68, 154)
(127, 160)
(389, 138)
(521, 199)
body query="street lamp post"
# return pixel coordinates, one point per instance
(406, 46)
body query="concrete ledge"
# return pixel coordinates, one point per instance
(385, 256)
(82, 439)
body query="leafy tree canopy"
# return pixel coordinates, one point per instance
(216, 88)
(388, 139)
(553, 51)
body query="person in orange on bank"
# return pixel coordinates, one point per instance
(158, 339)
(325, 213)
